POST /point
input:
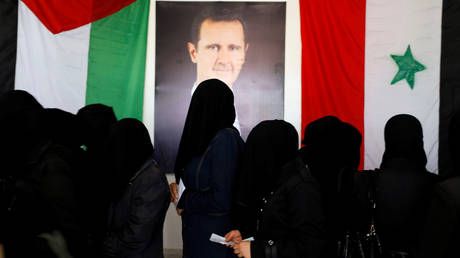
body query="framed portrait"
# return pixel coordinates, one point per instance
(240, 43)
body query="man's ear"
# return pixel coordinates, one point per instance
(246, 48)
(192, 51)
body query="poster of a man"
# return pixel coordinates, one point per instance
(240, 43)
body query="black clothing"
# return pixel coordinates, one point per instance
(441, 233)
(404, 140)
(324, 153)
(207, 200)
(454, 144)
(45, 201)
(211, 109)
(352, 146)
(17, 100)
(128, 147)
(140, 193)
(98, 119)
(403, 187)
(65, 128)
(291, 222)
(403, 193)
(269, 146)
(135, 222)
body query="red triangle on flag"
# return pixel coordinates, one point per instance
(59, 15)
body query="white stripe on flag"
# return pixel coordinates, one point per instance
(51, 67)
(391, 26)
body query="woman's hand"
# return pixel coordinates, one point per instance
(174, 192)
(243, 249)
(234, 236)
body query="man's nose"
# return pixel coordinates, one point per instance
(224, 55)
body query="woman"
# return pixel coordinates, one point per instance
(207, 162)
(403, 186)
(282, 200)
(139, 192)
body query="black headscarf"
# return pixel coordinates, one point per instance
(352, 145)
(269, 146)
(99, 118)
(323, 139)
(325, 143)
(404, 140)
(65, 128)
(17, 100)
(211, 109)
(21, 130)
(128, 148)
(454, 143)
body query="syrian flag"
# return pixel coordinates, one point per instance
(366, 61)
(77, 52)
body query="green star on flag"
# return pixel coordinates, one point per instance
(408, 66)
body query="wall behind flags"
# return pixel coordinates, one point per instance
(292, 94)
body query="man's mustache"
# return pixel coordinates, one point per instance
(223, 67)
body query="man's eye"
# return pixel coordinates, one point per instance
(234, 48)
(213, 47)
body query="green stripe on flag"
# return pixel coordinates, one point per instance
(116, 62)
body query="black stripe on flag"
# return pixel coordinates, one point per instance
(8, 38)
(450, 79)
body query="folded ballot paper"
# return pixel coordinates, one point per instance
(221, 240)
(180, 191)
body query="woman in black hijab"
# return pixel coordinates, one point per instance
(98, 118)
(139, 191)
(441, 233)
(403, 186)
(207, 162)
(325, 154)
(278, 200)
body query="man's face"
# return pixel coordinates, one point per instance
(220, 51)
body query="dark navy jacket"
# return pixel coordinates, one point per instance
(207, 201)
(135, 223)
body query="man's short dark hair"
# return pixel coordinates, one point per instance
(216, 14)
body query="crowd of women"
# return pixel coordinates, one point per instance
(86, 185)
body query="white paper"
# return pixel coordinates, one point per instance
(181, 189)
(219, 239)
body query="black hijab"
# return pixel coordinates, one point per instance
(326, 140)
(404, 140)
(17, 100)
(65, 128)
(21, 130)
(269, 146)
(211, 109)
(454, 143)
(352, 145)
(128, 148)
(323, 151)
(99, 118)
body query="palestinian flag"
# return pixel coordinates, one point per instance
(77, 52)
(366, 61)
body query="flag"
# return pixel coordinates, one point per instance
(366, 61)
(74, 53)
(8, 32)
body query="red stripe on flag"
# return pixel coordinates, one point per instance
(333, 41)
(62, 15)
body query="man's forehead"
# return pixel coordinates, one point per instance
(222, 31)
